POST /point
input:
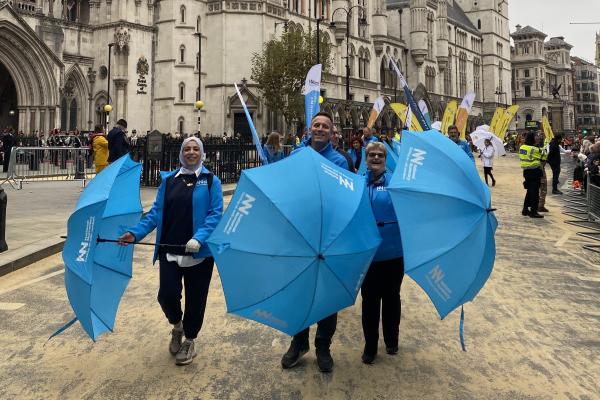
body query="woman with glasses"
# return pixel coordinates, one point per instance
(381, 288)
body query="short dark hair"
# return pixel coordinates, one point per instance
(122, 122)
(98, 129)
(530, 138)
(323, 114)
(452, 127)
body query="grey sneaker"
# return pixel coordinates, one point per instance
(176, 339)
(186, 353)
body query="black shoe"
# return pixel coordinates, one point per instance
(324, 360)
(368, 358)
(535, 215)
(293, 355)
(543, 209)
(525, 212)
(557, 192)
(493, 183)
(391, 350)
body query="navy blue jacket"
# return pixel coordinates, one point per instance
(381, 203)
(117, 144)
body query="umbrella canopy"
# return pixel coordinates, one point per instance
(478, 137)
(445, 219)
(295, 243)
(96, 274)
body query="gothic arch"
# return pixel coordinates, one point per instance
(34, 68)
(76, 87)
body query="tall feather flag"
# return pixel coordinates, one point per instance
(548, 134)
(312, 91)
(377, 107)
(498, 114)
(414, 108)
(509, 114)
(449, 116)
(424, 111)
(255, 137)
(401, 111)
(463, 113)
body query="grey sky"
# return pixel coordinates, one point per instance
(553, 16)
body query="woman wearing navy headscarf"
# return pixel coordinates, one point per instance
(381, 288)
(188, 207)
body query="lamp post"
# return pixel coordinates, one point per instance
(361, 21)
(108, 107)
(199, 103)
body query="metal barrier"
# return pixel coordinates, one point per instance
(28, 164)
(593, 201)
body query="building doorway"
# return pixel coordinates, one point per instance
(9, 114)
(240, 125)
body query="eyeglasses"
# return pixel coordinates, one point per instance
(374, 155)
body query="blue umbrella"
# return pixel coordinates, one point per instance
(295, 243)
(96, 274)
(445, 217)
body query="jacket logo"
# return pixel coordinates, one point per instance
(267, 316)
(435, 277)
(242, 208)
(414, 160)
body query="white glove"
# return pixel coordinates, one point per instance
(192, 246)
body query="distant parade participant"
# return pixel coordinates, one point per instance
(118, 144)
(272, 148)
(320, 140)
(356, 152)
(531, 156)
(187, 209)
(454, 135)
(99, 146)
(368, 136)
(539, 142)
(555, 151)
(487, 156)
(335, 142)
(381, 287)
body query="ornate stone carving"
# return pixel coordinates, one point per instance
(91, 75)
(122, 39)
(142, 66)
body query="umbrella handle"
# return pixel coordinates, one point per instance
(382, 223)
(102, 240)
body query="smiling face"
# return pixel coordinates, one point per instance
(376, 156)
(192, 153)
(453, 134)
(320, 130)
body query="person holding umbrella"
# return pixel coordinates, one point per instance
(381, 288)
(320, 140)
(188, 207)
(487, 156)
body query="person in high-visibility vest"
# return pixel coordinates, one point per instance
(543, 145)
(531, 156)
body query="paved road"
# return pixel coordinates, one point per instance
(532, 333)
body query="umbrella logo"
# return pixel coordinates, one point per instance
(85, 245)
(267, 316)
(242, 208)
(344, 180)
(435, 277)
(413, 161)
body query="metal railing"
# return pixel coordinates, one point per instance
(593, 201)
(29, 164)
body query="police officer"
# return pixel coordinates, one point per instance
(531, 156)
(540, 142)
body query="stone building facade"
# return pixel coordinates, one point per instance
(54, 59)
(587, 92)
(542, 83)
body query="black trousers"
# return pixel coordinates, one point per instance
(555, 174)
(196, 280)
(325, 330)
(533, 180)
(487, 171)
(381, 295)
(6, 161)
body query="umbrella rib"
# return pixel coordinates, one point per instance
(421, 191)
(100, 319)
(273, 294)
(113, 270)
(270, 255)
(312, 298)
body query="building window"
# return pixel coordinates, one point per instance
(430, 79)
(476, 76)
(448, 75)
(180, 125)
(198, 20)
(181, 91)
(182, 54)
(526, 73)
(430, 34)
(527, 91)
(362, 29)
(462, 73)
(351, 60)
(501, 75)
(197, 61)
(182, 14)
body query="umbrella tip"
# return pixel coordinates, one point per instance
(321, 257)
(491, 209)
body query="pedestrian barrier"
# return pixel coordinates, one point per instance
(593, 201)
(28, 164)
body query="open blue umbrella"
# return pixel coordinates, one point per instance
(97, 273)
(446, 220)
(295, 242)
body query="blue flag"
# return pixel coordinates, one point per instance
(255, 137)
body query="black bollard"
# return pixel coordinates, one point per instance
(79, 167)
(3, 201)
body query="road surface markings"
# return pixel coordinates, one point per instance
(32, 281)
(10, 306)
(563, 239)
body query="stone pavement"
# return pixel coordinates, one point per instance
(37, 217)
(532, 333)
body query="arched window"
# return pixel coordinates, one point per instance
(361, 70)
(448, 75)
(182, 54)
(182, 91)
(462, 73)
(430, 34)
(477, 76)
(197, 61)
(366, 64)
(478, 24)
(198, 20)
(430, 79)
(182, 14)
(181, 125)
(383, 73)
(500, 74)
(351, 60)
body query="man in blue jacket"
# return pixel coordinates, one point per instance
(321, 131)
(454, 135)
(118, 145)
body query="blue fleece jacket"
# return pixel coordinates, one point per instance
(329, 153)
(381, 203)
(207, 212)
(463, 144)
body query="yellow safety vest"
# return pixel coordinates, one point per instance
(530, 157)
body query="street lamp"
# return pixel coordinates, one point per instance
(361, 21)
(199, 103)
(319, 20)
(108, 107)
